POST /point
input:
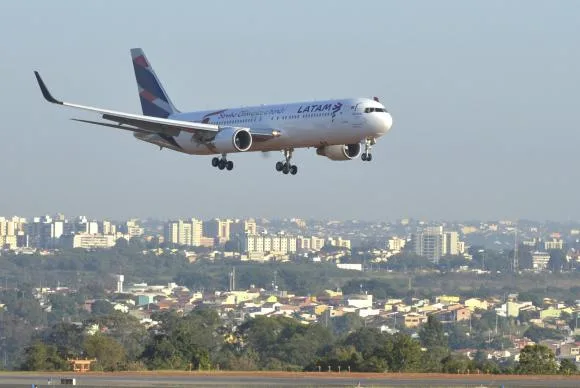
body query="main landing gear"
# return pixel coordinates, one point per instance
(286, 167)
(222, 163)
(366, 155)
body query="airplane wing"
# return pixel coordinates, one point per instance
(146, 124)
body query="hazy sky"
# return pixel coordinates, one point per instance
(484, 97)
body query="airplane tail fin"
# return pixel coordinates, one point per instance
(154, 100)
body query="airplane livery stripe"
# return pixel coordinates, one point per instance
(150, 109)
(147, 81)
(141, 61)
(146, 95)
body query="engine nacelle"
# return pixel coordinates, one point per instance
(232, 139)
(340, 152)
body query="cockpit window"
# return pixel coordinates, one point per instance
(369, 110)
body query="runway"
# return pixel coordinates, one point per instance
(282, 379)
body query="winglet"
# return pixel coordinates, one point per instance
(45, 91)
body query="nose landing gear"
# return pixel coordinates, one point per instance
(366, 155)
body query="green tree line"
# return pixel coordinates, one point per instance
(200, 341)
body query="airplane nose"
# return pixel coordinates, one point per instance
(387, 122)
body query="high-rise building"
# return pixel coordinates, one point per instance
(45, 232)
(316, 243)
(242, 227)
(84, 225)
(107, 227)
(433, 243)
(133, 229)
(540, 260)
(181, 232)
(339, 242)
(451, 243)
(10, 231)
(429, 242)
(396, 244)
(303, 243)
(278, 244)
(555, 243)
(218, 229)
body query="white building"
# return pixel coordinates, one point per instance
(540, 260)
(339, 242)
(396, 244)
(432, 242)
(277, 244)
(45, 232)
(243, 227)
(555, 243)
(133, 229)
(93, 241)
(218, 229)
(181, 232)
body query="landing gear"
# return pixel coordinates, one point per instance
(287, 167)
(366, 155)
(222, 163)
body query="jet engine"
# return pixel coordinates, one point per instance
(340, 152)
(232, 139)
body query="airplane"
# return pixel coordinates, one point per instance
(338, 129)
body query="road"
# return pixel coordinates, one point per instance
(281, 379)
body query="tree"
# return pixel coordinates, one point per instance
(557, 261)
(284, 343)
(405, 355)
(109, 353)
(102, 307)
(433, 338)
(432, 334)
(568, 367)
(537, 359)
(432, 359)
(367, 341)
(41, 357)
(456, 364)
(67, 338)
(538, 334)
(346, 324)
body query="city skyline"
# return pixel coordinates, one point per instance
(482, 96)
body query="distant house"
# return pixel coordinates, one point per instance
(571, 350)
(413, 320)
(476, 304)
(550, 312)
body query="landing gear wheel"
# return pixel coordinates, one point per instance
(222, 164)
(215, 162)
(279, 166)
(293, 170)
(229, 165)
(366, 155)
(285, 169)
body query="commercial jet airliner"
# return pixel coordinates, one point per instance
(338, 129)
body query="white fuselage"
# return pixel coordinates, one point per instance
(308, 124)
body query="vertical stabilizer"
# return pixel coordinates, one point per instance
(154, 100)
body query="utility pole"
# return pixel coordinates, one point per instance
(515, 263)
(470, 324)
